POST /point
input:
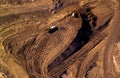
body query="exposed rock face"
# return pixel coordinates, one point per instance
(86, 43)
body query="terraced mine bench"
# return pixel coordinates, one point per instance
(59, 39)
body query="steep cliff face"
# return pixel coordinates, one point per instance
(84, 45)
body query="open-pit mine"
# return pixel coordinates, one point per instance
(59, 38)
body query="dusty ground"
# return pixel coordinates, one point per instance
(87, 46)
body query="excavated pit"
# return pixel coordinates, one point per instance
(27, 47)
(83, 36)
